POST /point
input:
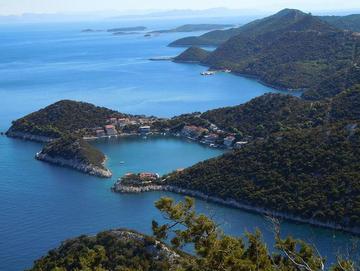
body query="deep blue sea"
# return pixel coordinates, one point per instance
(40, 204)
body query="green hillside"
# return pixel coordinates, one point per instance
(309, 172)
(61, 118)
(192, 54)
(349, 22)
(217, 37)
(293, 50)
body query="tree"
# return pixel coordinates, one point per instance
(218, 251)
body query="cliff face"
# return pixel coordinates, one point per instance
(28, 136)
(73, 152)
(75, 164)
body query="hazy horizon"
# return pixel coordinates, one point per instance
(113, 7)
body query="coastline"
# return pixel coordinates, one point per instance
(245, 75)
(118, 188)
(77, 165)
(29, 137)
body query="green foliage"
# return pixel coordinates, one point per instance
(217, 251)
(63, 117)
(118, 250)
(349, 22)
(298, 57)
(71, 147)
(268, 114)
(192, 54)
(312, 174)
(305, 162)
(214, 251)
(290, 50)
(278, 21)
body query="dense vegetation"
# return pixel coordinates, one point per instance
(349, 22)
(334, 83)
(218, 37)
(192, 54)
(63, 117)
(300, 54)
(268, 114)
(272, 113)
(74, 148)
(293, 50)
(119, 250)
(214, 251)
(306, 165)
(212, 38)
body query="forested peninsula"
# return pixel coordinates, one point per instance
(291, 50)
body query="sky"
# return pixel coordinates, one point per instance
(18, 7)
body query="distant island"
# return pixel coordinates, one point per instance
(118, 30)
(127, 29)
(193, 28)
(180, 29)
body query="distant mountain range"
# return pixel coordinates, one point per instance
(290, 50)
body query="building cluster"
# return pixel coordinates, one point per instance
(139, 178)
(213, 136)
(115, 126)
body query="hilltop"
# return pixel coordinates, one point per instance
(279, 21)
(111, 250)
(61, 118)
(217, 37)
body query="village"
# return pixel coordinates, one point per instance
(211, 136)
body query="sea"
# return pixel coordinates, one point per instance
(41, 63)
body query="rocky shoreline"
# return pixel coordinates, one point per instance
(119, 188)
(75, 164)
(28, 136)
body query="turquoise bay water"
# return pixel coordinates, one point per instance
(40, 204)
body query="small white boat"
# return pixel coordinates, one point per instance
(122, 162)
(208, 73)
